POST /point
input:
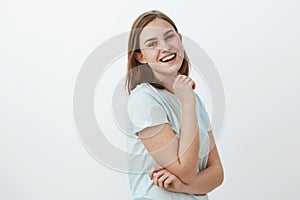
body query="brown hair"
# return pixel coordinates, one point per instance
(137, 72)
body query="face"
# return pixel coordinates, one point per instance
(161, 48)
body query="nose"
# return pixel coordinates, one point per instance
(164, 46)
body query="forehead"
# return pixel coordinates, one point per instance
(155, 28)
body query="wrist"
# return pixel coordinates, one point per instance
(185, 188)
(188, 108)
(188, 187)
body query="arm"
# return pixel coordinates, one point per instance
(209, 178)
(180, 157)
(204, 182)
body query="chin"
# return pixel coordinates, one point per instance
(176, 67)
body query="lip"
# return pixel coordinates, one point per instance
(170, 62)
(167, 56)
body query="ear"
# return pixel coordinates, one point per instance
(180, 37)
(139, 57)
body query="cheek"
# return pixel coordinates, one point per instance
(177, 43)
(152, 55)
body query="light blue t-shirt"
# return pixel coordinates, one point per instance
(149, 106)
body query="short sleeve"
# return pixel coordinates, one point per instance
(144, 111)
(203, 114)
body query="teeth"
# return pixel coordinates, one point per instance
(168, 58)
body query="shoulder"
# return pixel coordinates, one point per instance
(201, 106)
(198, 99)
(143, 92)
(200, 102)
(144, 108)
(141, 88)
(203, 113)
(141, 97)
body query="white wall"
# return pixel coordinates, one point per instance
(254, 44)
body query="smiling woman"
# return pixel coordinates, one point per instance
(169, 122)
(159, 43)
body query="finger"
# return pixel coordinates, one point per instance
(168, 182)
(177, 81)
(180, 80)
(191, 83)
(153, 170)
(156, 176)
(186, 80)
(162, 179)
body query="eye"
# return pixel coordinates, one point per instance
(170, 36)
(151, 44)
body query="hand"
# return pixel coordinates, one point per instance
(166, 180)
(183, 87)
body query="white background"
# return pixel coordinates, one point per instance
(254, 44)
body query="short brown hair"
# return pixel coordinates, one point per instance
(137, 72)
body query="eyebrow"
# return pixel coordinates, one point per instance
(156, 38)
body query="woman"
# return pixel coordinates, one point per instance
(170, 124)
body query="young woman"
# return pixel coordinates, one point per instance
(169, 123)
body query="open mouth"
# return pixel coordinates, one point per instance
(168, 58)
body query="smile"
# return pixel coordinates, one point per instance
(168, 58)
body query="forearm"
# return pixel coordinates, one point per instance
(189, 144)
(205, 181)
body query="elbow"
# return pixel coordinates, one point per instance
(220, 176)
(218, 179)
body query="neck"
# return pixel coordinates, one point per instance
(167, 81)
